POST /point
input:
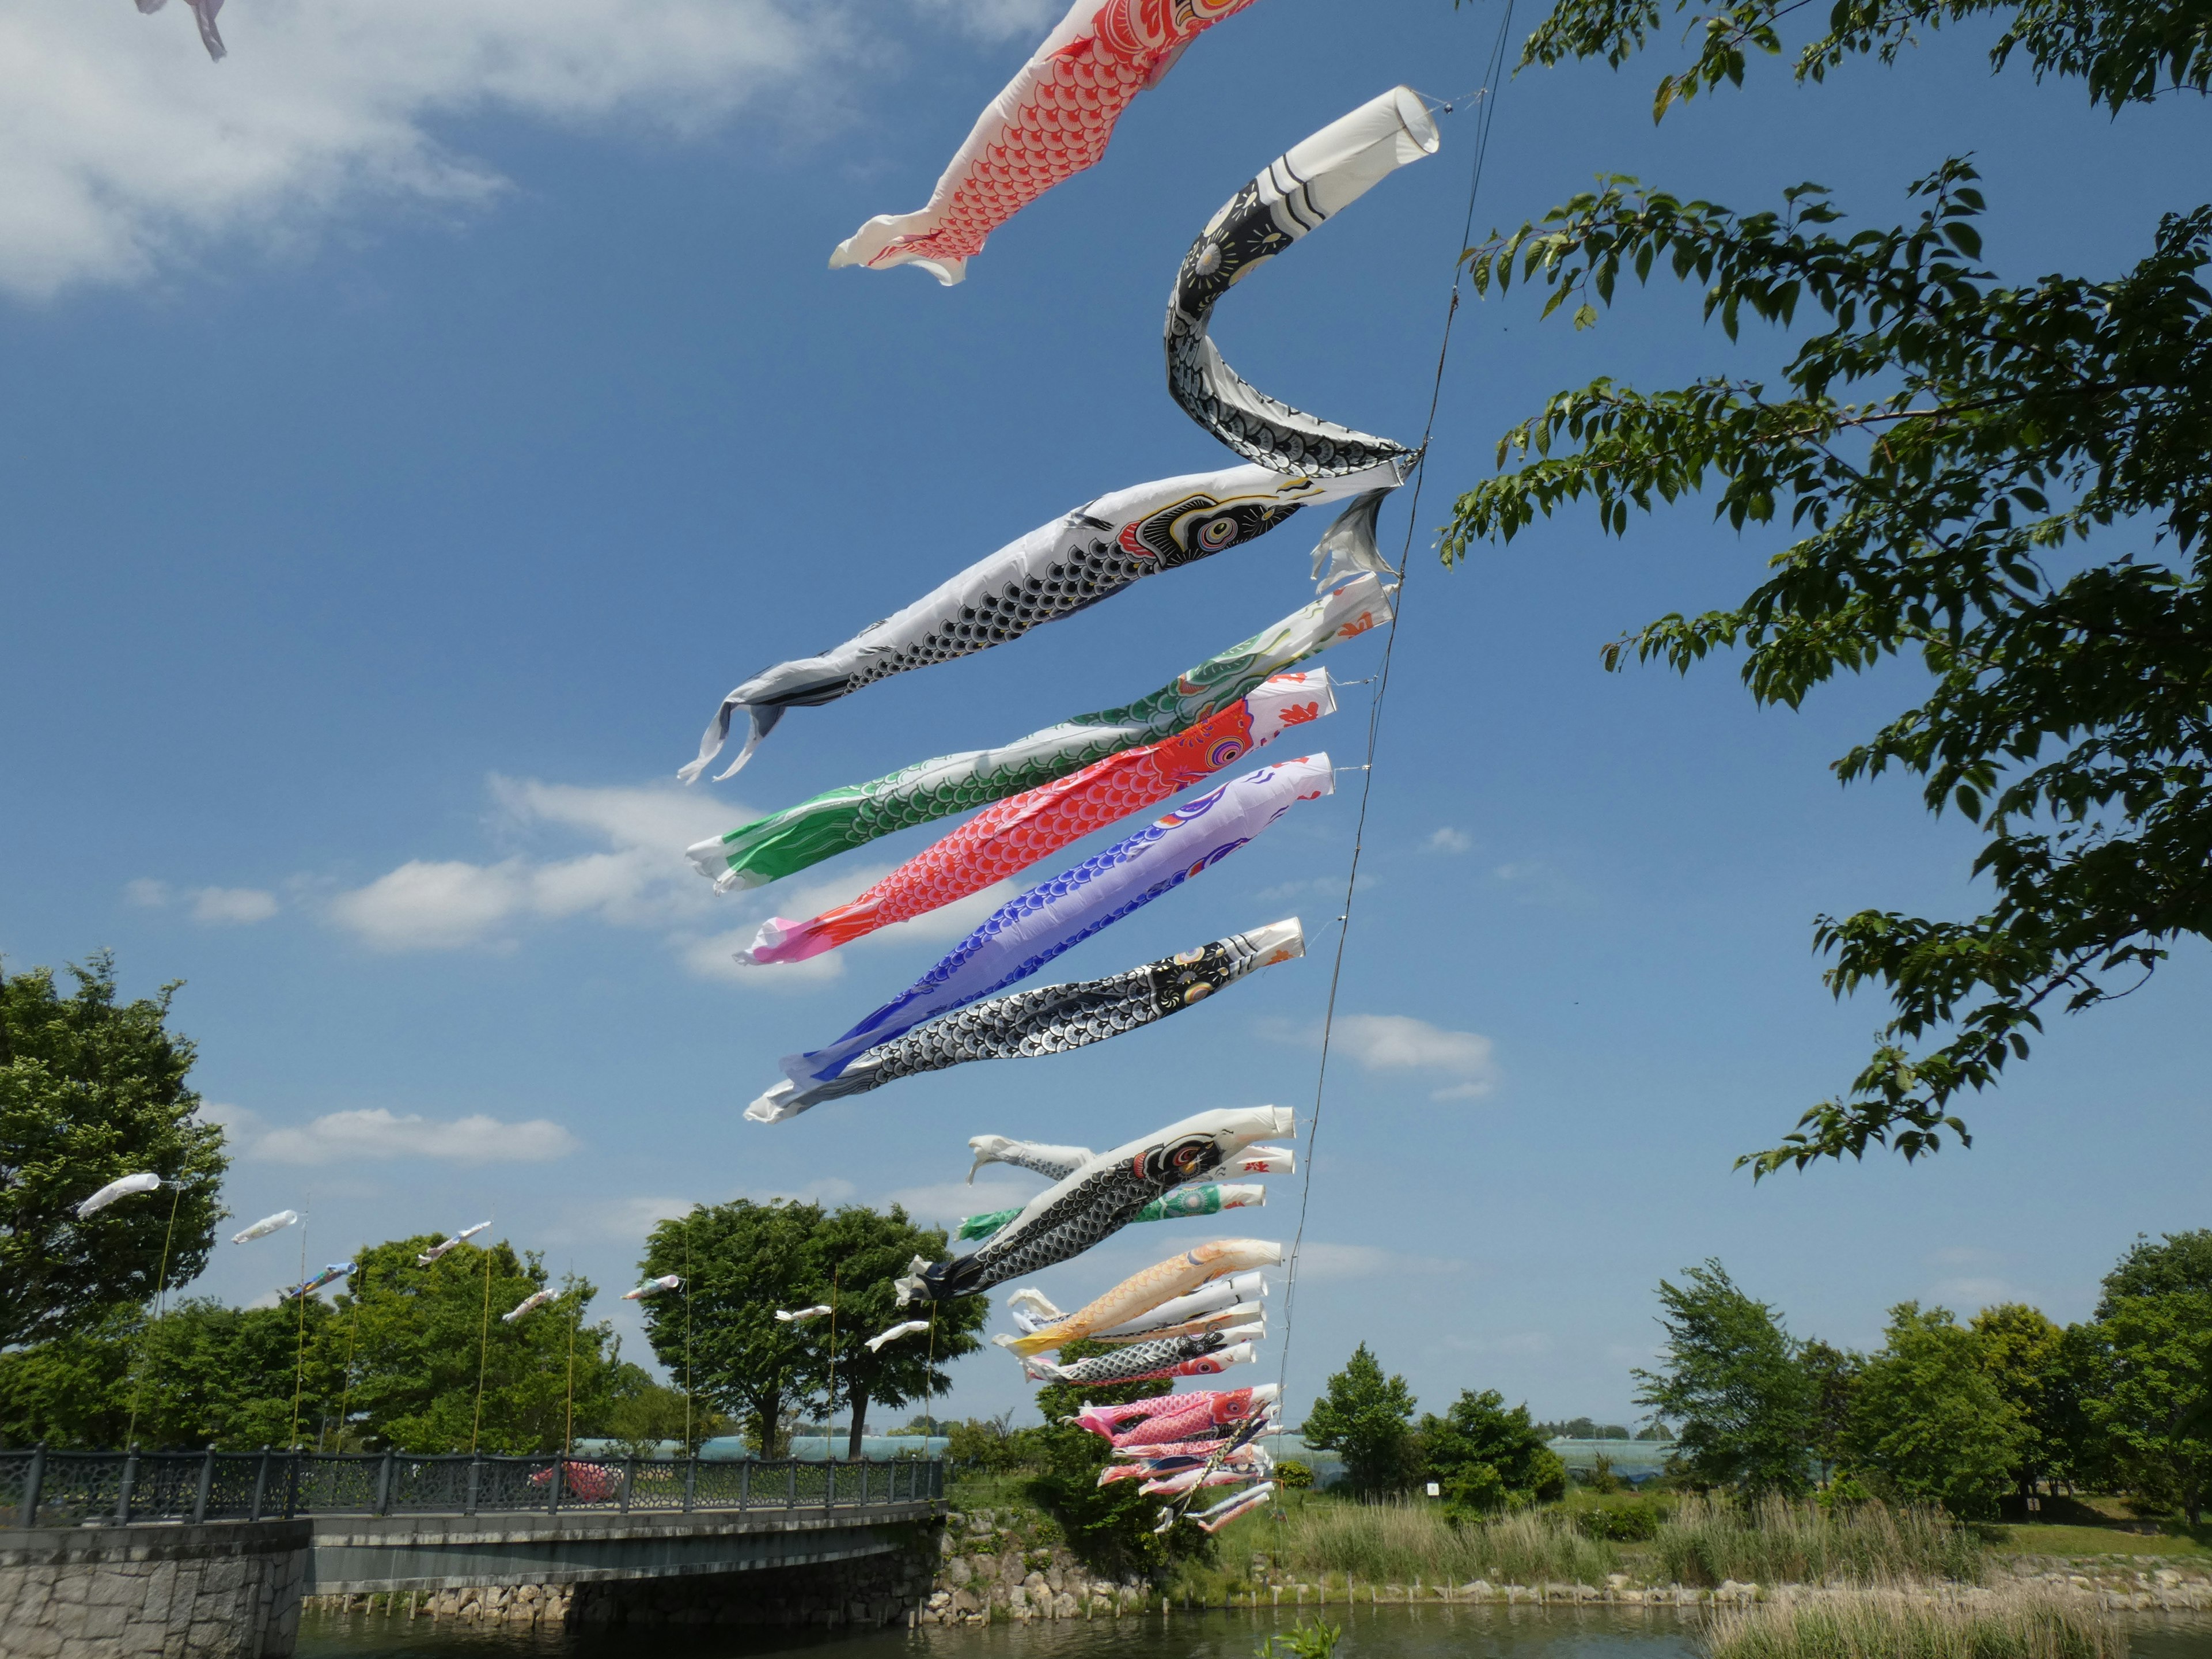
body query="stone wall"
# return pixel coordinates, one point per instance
(1009, 1563)
(226, 1591)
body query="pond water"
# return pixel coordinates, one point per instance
(1480, 1632)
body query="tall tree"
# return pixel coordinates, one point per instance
(1926, 1418)
(742, 1262)
(2019, 500)
(1366, 1418)
(2156, 1400)
(1488, 1458)
(868, 1249)
(1832, 1377)
(1731, 1380)
(2178, 1262)
(2024, 1353)
(1110, 1528)
(91, 1088)
(413, 1343)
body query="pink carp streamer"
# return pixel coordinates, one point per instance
(1051, 122)
(1007, 838)
(1176, 1416)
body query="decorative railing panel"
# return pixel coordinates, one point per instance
(63, 1488)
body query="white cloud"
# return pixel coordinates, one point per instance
(1387, 1042)
(130, 154)
(1448, 840)
(217, 906)
(947, 1202)
(1320, 1262)
(631, 1218)
(378, 1132)
(998, 20)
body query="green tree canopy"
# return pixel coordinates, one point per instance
(1488, 1458)
(2026, 1355)
(2008, 481)
(2156, 1398)
(408, 1341)
(1732, 1381)
(1110, 1528)
(1366, 1418)
(1928, 1420)
(2178, 1262)
(92, 1089)
(864, 1250)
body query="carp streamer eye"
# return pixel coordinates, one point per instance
(1216, 533)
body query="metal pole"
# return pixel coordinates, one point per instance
(476, 1465)
(292, 1486)
(790, 1501)
(384, 1484)
(828, 1483)
(560, 1473)
(690, 1483)
(744, 1486)
(260, 1486)
(36, 1480)
(629, 1474)
(123, 1488)
(206, 1487)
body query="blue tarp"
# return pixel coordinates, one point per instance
(817, 1449)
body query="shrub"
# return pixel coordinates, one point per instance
(1293, 1475)
(1629, 1523)
(1399, 1541)
(1778, 1541)
(2017, 1622)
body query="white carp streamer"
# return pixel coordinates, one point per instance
(128, 1187)
(1119, 1309)
(911, 1327)
(266, 1226)
(529, 1304)
(800, 1316)
(451, 1244)
(654, 1287)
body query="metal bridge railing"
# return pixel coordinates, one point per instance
(65, 1488)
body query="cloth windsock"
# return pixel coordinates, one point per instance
(128, 1187)
(1079, 559)
(1050, 122)
(1102, 1368)
(450, 1245)
(1005, 839)
(1178, 1416)
(839, 819)
(1027, 932)
(1141, 1292)
(1209, 1298)
(1228, 1509)
(1051, 1019)
(1193, 1479)
(654, 1287)
(909, 1328)
(800, 1316)
(1198, 1325)
(1053, 1163)
(1251, 1460)
(328, 1275)
(1315, 179)
(266, 1226)
(1207, 1198)
(1168, 1452)
(529, 1304)
(1096, 1201)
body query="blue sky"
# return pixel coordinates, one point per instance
(417, 422)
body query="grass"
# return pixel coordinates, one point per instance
(1777, 1542)
(2015, 1622)
(2043, 1538)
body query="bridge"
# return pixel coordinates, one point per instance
(150, 1528)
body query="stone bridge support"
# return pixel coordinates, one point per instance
(221, 1590)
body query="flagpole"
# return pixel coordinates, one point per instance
(483, 1353)
(299, 1352)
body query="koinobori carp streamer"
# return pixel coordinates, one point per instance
(1142, 1292)
(1315, 179)
(1096, 1201)
(1051, 1019)
(1050, 122)
(1206, 1198)
(266, 1226)
(1007, 838)
(1027, 932)
(1057, 569)
(128, 1186)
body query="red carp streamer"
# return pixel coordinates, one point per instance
(1009, 836)
(1050, 122)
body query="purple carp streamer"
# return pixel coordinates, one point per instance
(1296, 192)
(1097, 1200)
(1057, 569)
(1024, 935)
(1052, 1019)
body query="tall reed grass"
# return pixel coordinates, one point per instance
(2017, 1621)
(1778, 1542)
(1395, 1543)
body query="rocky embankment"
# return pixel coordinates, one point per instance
(1002, 1563)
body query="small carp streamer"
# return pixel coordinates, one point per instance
(654, 1287)
(1097, 1200)
(1170, 1282)
(1050, 122)
(1052, 1019)
(128, 1187)
(203, 13)
(1027, 932)
(1171, 1461)
(799, 1316)
(328, 1275)
(839, 819)
(529, 1304)
(451, 1244)
(1054, 1162)
(911, 1327)
(1164, 1356)
(1068, 565)
(266, 1226)
(1004, 840)
(1173, 1416)
(1032, 1312)
(1316, 178)
(1207, 1198)
(1222, 1514)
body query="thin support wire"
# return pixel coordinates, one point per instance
(1486, 105)
(161, 1306)
(483, 1357)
